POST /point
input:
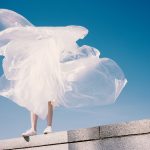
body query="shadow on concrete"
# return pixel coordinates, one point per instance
(27, 138)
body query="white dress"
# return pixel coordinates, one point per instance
(44, 64)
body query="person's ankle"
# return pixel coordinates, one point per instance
(33, 129)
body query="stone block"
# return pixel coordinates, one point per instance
(126, 128)
(83, 134)
(135, 142)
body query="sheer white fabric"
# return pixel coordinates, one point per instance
(44, 64)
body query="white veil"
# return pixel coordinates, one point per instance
(74, 76)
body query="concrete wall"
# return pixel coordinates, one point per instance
(134, 135)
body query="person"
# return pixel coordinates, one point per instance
(44, 68)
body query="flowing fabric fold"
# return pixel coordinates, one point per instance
(44, 64)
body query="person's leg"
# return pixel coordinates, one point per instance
(50, 114)
(32, 130)
(34, 119)
(48, 129)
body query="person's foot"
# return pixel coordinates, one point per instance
(29, 132)
(47, 130)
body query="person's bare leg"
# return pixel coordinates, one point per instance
(48, 129)
(32, 130)
(34, 119)
(50, 114)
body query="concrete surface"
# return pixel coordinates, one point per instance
(134, 135)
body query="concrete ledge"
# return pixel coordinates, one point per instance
(126, 128)
(134, 135)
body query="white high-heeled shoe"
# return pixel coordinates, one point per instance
(47, 130)
(29, 132)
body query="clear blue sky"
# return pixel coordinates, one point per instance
(120, 30)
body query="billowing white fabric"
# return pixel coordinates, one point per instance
(44, 64)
